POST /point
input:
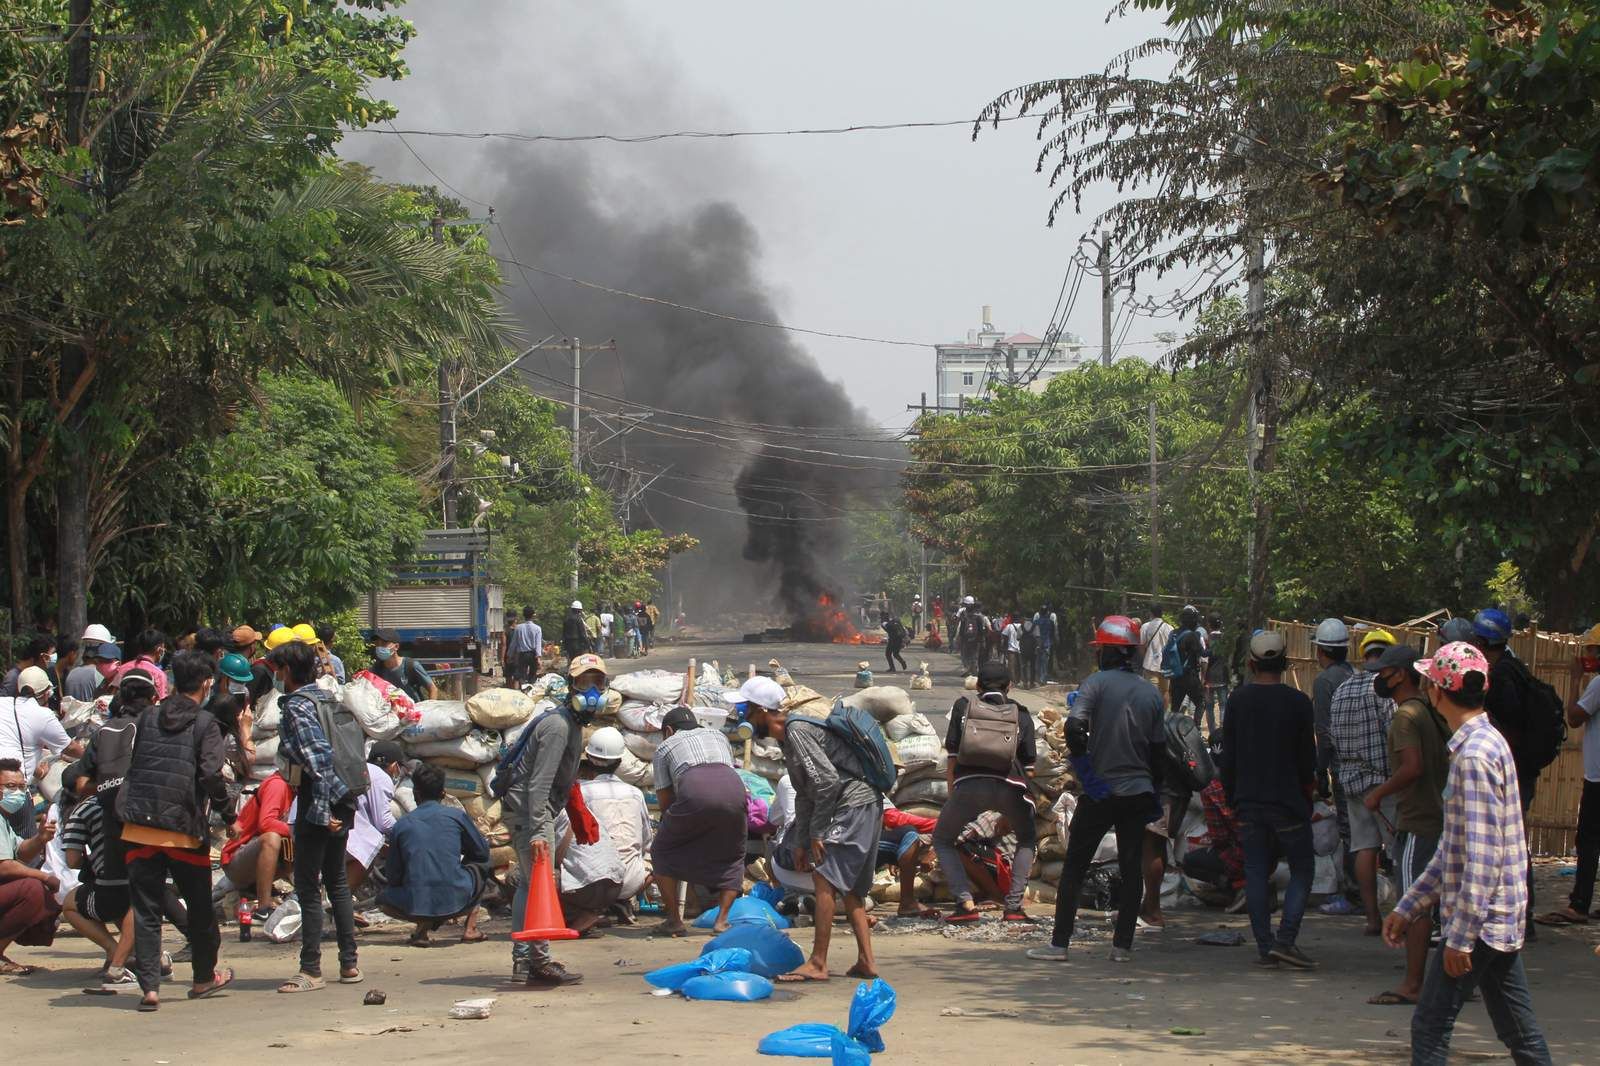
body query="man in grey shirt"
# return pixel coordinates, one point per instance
(84, 682)
(1117, 724)
(834, 833)
(541, 782)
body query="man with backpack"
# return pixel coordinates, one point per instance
(1028, 644)
(972, 636)
(533, 782)
(1115, 733)
(840, 768)
(325, 750)
(895, 636)
(1527, 711)
(992, 749)
(1181, 660)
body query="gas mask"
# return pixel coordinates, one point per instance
(586, 703)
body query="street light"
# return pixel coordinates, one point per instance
(454, 407)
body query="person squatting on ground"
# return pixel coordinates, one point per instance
(1268, 768)
(1477, 877)
(438, 864)
(1117, 737)
(992, 746)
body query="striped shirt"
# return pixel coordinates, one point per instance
(1358, 721)
(691, 747)
(1478, 875)
(85, 831)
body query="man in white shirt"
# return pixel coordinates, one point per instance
(591, 876)
(1012, 635)
(618, 806)
(1152, 643)
(1580, 713)
(608, 623)
(29, 730)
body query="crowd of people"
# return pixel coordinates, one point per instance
(1427, 764)
(613, 632)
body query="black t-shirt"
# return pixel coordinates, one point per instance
(1191, 649)
(1027, 753)
(1269, 750)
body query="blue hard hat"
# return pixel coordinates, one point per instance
(1492, 625)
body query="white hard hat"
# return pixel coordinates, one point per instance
(763, 692)
(968, 602)
(98, 634)
(577, 605)
(1331, 633)
(606, 744)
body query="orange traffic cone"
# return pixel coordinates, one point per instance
(543, 920)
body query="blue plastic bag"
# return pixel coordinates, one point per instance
(773, 894)
(732, 986)
(871, 1006)
(674, 976)
(745, 909)
(771, 950)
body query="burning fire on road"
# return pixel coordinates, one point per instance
(829, 624)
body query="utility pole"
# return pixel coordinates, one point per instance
(1262, 443)
(576, 346)
(1155, 513)
(1108, 309)
(447, 410)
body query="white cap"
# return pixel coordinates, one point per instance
(98, 634)
(34, 680)
(577, 605)
(605, 745)
(968, 602)
(763, 692)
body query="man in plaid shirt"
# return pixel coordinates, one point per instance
(1358, 722)
(1478, 876)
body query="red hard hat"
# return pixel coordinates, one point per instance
(1116, 631)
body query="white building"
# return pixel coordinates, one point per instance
(965, 371)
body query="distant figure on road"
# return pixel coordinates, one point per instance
(895, 632)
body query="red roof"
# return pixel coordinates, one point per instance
(1022, 338)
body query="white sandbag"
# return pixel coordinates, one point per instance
(766, 759)
(50, 783)
(643, 745)
(1327, 876)
(267, 716)
(438, 720)
(75, 714)
(1324, 829)
(908, 725)
(261, 771)
(921, 749)
(468, 752)
(266, 751)
(635, 771)
(650, 686)
(405, 797)
(710, 693)
(883, 702)
(642, 717)
(462, 784)
(376, 714)
(508, 737)
(500, 708)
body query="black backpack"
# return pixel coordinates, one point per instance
(1187, 753)
(1544, 715)
(971, 626)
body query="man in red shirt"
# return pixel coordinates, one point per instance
(256, 857)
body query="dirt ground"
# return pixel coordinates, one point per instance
(1089, 1011)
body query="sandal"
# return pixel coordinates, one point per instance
(920, 914)
(149, 1006)
(302, 982)
(1561, 918)
(479, 938)
(963, 917)
(220, 979)
(351, 978)
(16, 969)
(420, 940)
(1391, 999)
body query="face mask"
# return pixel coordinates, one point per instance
(1381, 687)
(52, 659)
(236, 689)
(277, 683)
(383, 655)
(588, 702)
(106, 669)
(13, 801)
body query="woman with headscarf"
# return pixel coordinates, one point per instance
(703, 819)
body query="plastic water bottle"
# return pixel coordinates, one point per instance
(246, 918)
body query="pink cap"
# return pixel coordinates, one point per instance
(1451, 664)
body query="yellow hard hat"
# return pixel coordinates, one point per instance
(304, 633)
(1377, 636)
(279, 637)
(1591, 638)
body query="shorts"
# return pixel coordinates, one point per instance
(1411, 854)
(1367, 830)
(104, 903)
(894, 843)
(241, 868)
(1161, 826)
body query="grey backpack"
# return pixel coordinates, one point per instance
(348, 740)
(990, 733)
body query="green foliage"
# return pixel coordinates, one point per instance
(1506, 589)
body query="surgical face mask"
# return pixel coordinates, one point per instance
(236, 689)
(13, 800)
(277, 683)
(106, 669)
(52, 659)
(383, 654)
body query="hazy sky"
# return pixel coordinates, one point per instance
(900, 234)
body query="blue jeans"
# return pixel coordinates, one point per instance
(1265, 834)
(1042, 673)
(1499, 975)
(537, 951)
(1216, 707)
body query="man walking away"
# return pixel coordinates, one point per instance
(1045, 623)
(1218, 676)
(1331, 642)
(838, 817)
(1579, 715)
(174, 780)
(1421, 762)
(1117, 723)
(1029, 641)
(1152, 644)
(1011, 640)
(328, 779)
(1186, 683)
(574, 632)
(1478, 876)
(992, 750)
(541, 779)
(972, 635)
(1268, 765)
(895, 641)
(1358, 722)
(527, 644)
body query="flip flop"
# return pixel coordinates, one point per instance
(301, 982)
(220, 979)
(1391, 999)
(147, 1007)
(352, 979)
(921, 914)
(1559, 918)
(419, 942)
(961, 917)
(480, 938)
(16, 969)
(798, 978)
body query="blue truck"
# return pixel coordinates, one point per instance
(449, 614)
